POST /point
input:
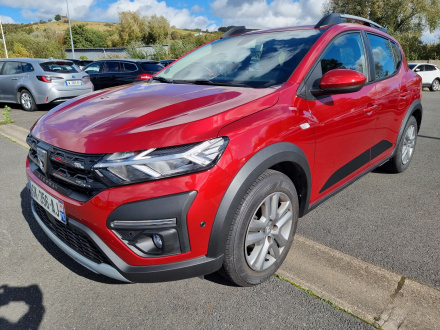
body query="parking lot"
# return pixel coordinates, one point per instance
(387, 220)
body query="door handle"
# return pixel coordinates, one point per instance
(371, 108)
(404, 94)
(14, 78)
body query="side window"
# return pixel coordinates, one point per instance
(27, 67)
(112, 67)
(429, 68)
(129, 67)
(345, 52)
(2, 64)
(383, 56)
(93, 68)
(12, 68)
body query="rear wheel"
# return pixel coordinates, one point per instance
(435, 86)
(262, 230)
(405, 149)
(27, 101)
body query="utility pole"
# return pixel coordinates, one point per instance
(70, 28)
(3, 38)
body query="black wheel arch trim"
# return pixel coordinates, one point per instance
(266, 158)
(415, 106)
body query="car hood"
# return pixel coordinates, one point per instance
(144, 116)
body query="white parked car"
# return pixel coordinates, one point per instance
(430, 74)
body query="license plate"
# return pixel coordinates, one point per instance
(49, 203)
(73, 83)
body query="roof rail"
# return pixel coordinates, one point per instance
(336, 18)
(235, 31)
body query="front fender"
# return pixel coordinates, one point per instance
(266, 158)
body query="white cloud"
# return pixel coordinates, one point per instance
(198, 9)
(6, 19)
(45, 9)
(181, 18)
(431, 37)
(268, 14)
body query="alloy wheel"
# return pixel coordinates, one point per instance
(268, 232)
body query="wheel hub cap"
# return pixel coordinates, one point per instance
(269, 231)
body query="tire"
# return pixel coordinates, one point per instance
(405, 149)
(435, 86)
(258, 241)
(27, 101)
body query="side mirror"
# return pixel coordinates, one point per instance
(417, 70)
(340, 81)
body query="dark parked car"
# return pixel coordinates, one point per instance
(167, 62)
(80, 63)
(115, 72)
(211, 166)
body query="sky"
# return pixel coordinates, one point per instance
(189, 14)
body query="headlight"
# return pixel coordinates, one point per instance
(154, 164)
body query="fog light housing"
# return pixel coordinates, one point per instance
(157, 241)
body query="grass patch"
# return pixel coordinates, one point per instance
(6, 117)
(331, 303)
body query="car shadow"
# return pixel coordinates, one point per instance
(53, 249)
(31, 296)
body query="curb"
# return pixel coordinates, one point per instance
(15, 133)
(375, 295)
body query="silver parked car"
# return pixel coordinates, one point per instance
(32, 82)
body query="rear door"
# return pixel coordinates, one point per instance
(392, 96)
(11, 78)
(110, 74)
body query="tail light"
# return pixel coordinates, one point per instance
(86, 78)
(144, 76)
(48, 79)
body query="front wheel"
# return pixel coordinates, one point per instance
(405, 148)
(435, 86)
(27, 101)
(262, 230)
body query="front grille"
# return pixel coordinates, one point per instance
(75, 239)
(67, 172)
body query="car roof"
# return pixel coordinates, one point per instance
(35, 60)
(136, 60)
(327, 22)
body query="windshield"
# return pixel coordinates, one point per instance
(257, 60)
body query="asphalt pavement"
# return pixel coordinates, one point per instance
(371, 250)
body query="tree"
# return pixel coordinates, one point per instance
(132, 27)
(158, 29)
(398, 16)
(57, 17)
(84, 37)
(405, 19)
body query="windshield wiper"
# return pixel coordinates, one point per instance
(210, 82)
(164, 80)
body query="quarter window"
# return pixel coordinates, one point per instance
(384, 64)
(345, 52)
(27, 67)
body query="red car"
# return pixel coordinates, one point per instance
(211, 165)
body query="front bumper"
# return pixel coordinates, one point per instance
(114, 267)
